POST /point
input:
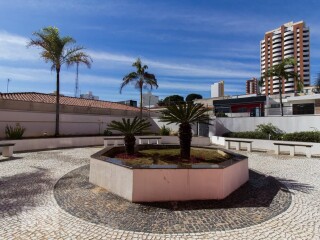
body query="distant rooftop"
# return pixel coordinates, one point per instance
(71, 101)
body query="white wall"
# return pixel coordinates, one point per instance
(36, 123)
(268, 144)
(288, 124)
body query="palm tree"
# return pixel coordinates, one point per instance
(185, 115)
(81, 58)
(141, 78)
(280, 71)
(129, 129)
(55, 51)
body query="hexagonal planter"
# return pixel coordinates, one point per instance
(168, 182)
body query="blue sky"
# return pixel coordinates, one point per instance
(188, 45)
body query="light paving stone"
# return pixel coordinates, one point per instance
(28, 209)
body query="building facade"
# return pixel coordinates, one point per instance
(89, 95)
(291, 40)
(252, 86)
(149, 100)
(217, 89)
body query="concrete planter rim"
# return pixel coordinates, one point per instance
(233, 160)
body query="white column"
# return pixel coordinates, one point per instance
(308, 152)
(277, 150)
(249, 147)
(292, 148)
(7, 151)
(238, 146)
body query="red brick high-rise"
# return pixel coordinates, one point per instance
(291, 40)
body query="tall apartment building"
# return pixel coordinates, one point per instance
(217, 89)
(252, 86)
(289, 40)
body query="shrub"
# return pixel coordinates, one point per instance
(14, 132)
(164, 131)
(310, 136)
(249, 134)
(269, 129)
(107, 132)
(221, 114)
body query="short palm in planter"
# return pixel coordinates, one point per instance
(185, 115)
(130, 127)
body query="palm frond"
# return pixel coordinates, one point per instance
(185, 113)
(130, 126)
(133, 76)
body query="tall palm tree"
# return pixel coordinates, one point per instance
(129, 129)
(141, 78)
(185, 115)
(56, 51)
(280, 71)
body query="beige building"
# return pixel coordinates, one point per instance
(291, 40)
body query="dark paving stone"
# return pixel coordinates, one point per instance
(260, 199)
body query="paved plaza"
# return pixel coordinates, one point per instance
(46, 195)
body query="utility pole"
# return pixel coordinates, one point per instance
(8, 85)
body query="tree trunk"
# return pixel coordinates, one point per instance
(185, 137)
(141, 102)
(129, 142)
(57, 103)
(280, 95)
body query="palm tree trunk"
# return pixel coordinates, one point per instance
(280, 95)
(57, 103)
(129, 142)
(141, 102)
(185, 137)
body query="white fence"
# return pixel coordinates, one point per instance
(69, 142)
(288, 124)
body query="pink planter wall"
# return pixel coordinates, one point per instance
(150, 185)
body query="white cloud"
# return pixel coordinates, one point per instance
(210, 68)
(14, 48)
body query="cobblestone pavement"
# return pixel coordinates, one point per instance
(260, 199)
(28, 209)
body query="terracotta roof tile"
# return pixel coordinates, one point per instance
(64, 100)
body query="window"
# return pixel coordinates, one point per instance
(299, 109)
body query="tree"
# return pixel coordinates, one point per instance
(317, 83)
(56, 51)
(280, 71)
(185, 115)
(173, 99)
(193, 96)
(129, 129)
(141, 78)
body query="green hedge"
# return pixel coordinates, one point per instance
(312, 136)
(252, 134)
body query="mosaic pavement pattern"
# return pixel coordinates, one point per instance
(257, 201)
(29, 210)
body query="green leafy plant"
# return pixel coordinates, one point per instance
(280, 71)
(185, 115)
(270, 130)
(307, 136)
(130, 127)
(141, 79)
(221, 114)
(164, 131)
(248, 134)
(14, 132)
(57, 51)
(107, 132)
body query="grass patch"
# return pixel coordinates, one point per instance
(172, 156)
